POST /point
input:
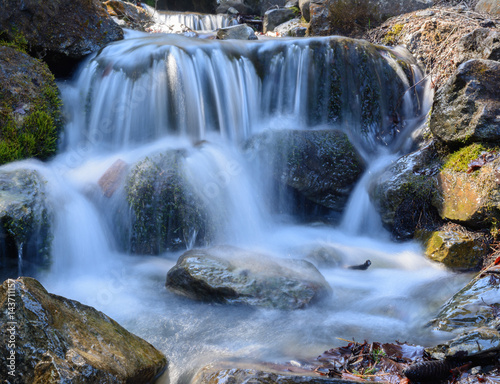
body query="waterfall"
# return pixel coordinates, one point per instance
(182, 117)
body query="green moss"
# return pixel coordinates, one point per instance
(390, 37)
(459, 160)
(15, 40)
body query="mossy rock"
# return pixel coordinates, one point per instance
(167, 213)
(321, 165)
(404, 193)
(455, 247)
(58, 340)
(25, 217)
(470, 198)
(30, 107)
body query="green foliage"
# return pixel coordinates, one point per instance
(15, 40)
(351, 17)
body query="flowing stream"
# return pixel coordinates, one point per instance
(147, 94)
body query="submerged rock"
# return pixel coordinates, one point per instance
(25, 217)
(467, 108)
(231, 275)
(236, 32)
(240, 373)
(167, 215)
(60, 31)
(59, 340)
(321, 165)
(30, 112)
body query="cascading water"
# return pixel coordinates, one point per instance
(187, 108)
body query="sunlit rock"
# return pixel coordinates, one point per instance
(321, 165)
(56, 340)
(455, 247)
(467, 108)
(112, 179)
(167, 215)
(131, 15)
(275, 17)
(231, 275)
(236, 32)
(488, 6)
(25, 221)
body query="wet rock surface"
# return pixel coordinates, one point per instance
(60, 31)
(230, 275)
(237, 32)
(60, 340)
(467, 108)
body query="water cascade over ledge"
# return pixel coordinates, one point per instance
(164, 118)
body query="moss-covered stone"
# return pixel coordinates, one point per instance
(57, 340)
(456, 248)
(30, 107)
(321, 165)
(25, 217)
(167, 214)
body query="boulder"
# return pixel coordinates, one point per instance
(455, 247)
(239, 373)
(167, 215)
(475, 305)
(130, 15)
(322, 166)
(467, 108)
(482, 43)
(236, 32)
(60, 31)
(319, 18)
(30, 112)
(239, 6)
(25, 217)
(231, 275)
(468, 191)
(488, 6)
(275, 17)
(112, 179)
(403, 194)
(57, 340)
(304, 6)
(292, 28)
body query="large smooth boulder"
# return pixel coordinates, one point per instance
(403, 194)
(231, 275)
(25, 217)
(167, 214)
(467, 108)
(321, 165)
(275, 17)
(57, 340)
(468, 189)
(236, 32)
(59, 31)
(488, 6)
(30, 111)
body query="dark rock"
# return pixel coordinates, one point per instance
(167, 215)
(30, 112)
(321, 165)
(60, 31)
(467, 108)
(130, 15)
(304, 6)
(488, 6)
(25, 216)
(239, 6)
(403, 194)
(275, 17)
(202, 6)
(231, 275)
(60, 340)
(236, 32)
(239, 373)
